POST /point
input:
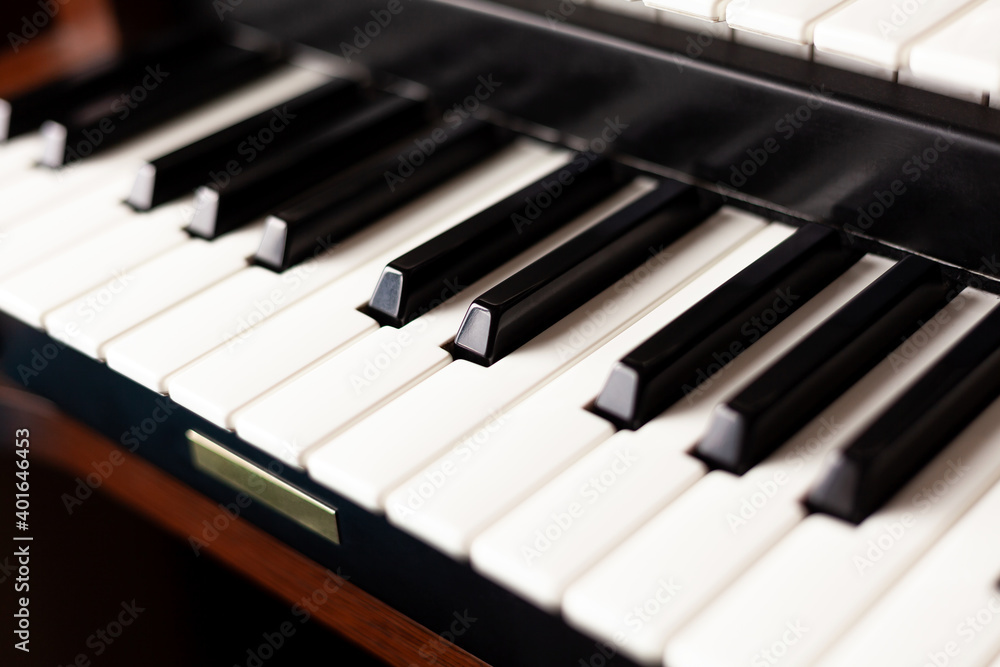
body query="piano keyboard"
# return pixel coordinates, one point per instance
(666, 419)
(945, 46)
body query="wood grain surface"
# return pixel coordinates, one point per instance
(61, 442)
(78, 34)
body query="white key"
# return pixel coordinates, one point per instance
(116, 169)
(658, 468)
(964, 55)
(768, 43)
(788, 22)
(152, 352)
(89, 321)
(708, 536)
(335, 394)
(709, 10)
(533, 549)
(33, 291)
(703, 29)
(880, 32)
(218, 385)
(451, 500)
(371, 459)
(205, 386)
(58, 229)
(946, 610)
(826, 572)
(635, 9)
(17, 155)
(284, 423)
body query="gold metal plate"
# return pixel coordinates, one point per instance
(232, 470)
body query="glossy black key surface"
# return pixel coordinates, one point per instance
(351, 201)
(157, 94)
(26, 112)
(228, 151)
(915, 428)
(435, 271)
(710, 334)
(784, 398)
(539, 295)
(227, 204)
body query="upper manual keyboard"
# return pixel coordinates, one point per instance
(946, 46)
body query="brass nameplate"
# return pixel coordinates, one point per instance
(262, 486)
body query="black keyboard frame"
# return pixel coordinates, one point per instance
(562, 73)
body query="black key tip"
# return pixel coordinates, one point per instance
(726, 443)
(141, 197)
(839, 493)
(206, 209)
(4, 120)
(53, 144)
(619, 398)
(387, 299)
(273, 250)
(474, 335)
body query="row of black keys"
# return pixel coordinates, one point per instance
(776, 404)
(325, 179)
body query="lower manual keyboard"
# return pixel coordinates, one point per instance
(566, 459)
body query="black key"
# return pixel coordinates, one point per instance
(915, 428)
(710, 334)
(351, 201)
(433, 272)
(26, 112)
(539, 295)
(159, 93)
(286, 173)
(784, 398)
(180, 172)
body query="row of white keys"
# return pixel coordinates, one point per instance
(229, 311)
(530, 552)
(947, 46)
(649, 12)
(454, 498)
(808, 590)
(33, 291)
(296, 416)
(451, 500)
(778, 25)
(40, 190)
(964, 56)
(90, 320)
(946, 610)
(875, 35)
(698, 545)
(380, 453)
(57, 229)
